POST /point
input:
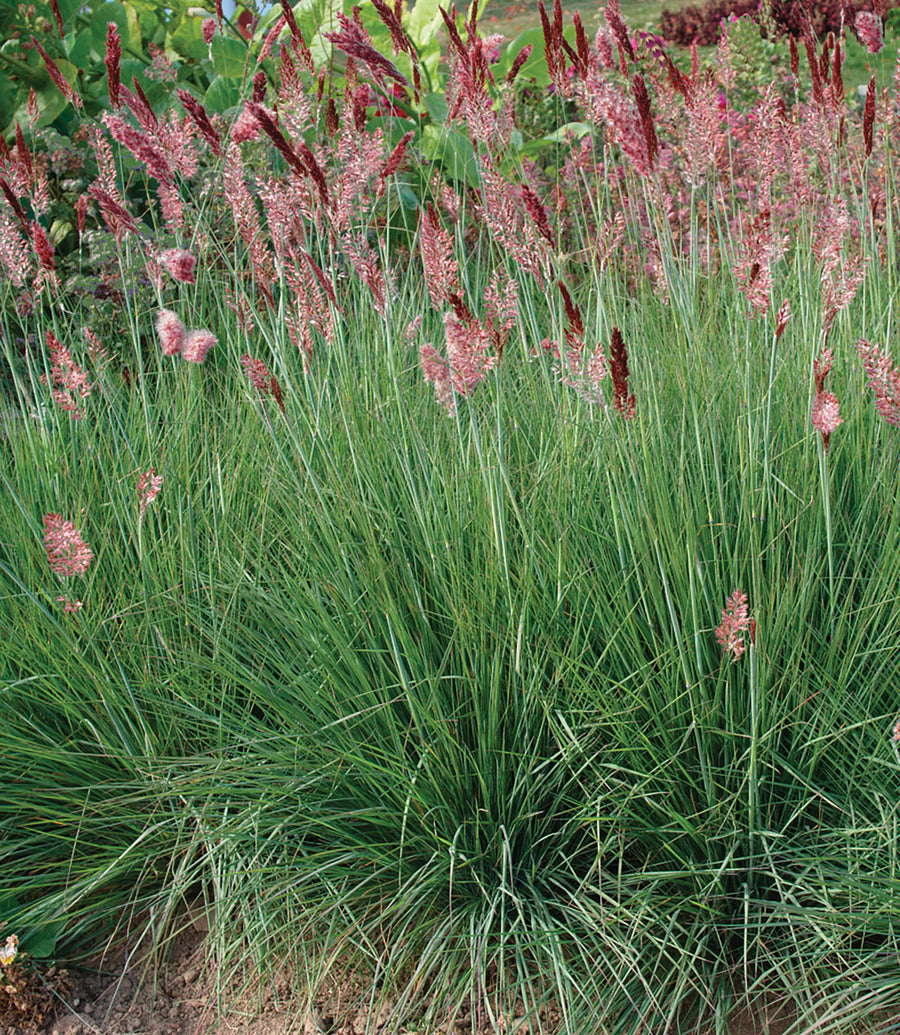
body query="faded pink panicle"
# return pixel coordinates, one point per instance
(171, 332)
(759, 250)
(355, 42)
(245, 127)
(364, 260)
(441, 269)
(437, 371)
(67, 553)
(14, 253)
(245, 215)
(208, 30)
(822, 368)
(262, 379)
(197, 344)
(148, 487)
(257, 373)
(471, 356)
(70, 381)
(825, 415)
(870, 30)
(180, 264)
(735, 622)
(883, 379)
(470, 352)
(841, 275)
(781, 318)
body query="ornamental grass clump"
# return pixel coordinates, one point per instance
(536, 663)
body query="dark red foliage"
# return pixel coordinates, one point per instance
(700, 23)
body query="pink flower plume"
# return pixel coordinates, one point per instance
(170, 331)
(735, 622)
(67, 553)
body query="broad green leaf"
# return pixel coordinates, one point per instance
(453, 150)
(101, 18)
(187, 40)
(40, 942)
(229, 56)
(80, 51)
(223, 93)
(423, 22)
(131, 68)
(430, 59)
(59, 230)
(7, 96)
(134, 28)
(570, 129)
(327, 12)
(408, 197)
(436, 106)
(535, 67)
(51, 104)
(68, 9)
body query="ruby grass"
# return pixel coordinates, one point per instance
(474, 574)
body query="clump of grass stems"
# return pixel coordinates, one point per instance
(435, 697)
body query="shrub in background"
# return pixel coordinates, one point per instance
(701, 24)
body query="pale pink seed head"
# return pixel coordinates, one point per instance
(883, 378)
(67, 553)
(437, 371)
(208, 28)
(870, 30)
(825, 413)
(197, 344)
(170, 331)
(245, 127)
(822, 367)
(257, 374)
(735, 622)
(180, 264)
(782, 318)
(148, 487)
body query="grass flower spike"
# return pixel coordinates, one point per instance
(869, 30)
(825, 411)
(735, 622)
(69, 380)
(148, 487)
(825, 415)
(67, 553)
(883, 378)
(197, 344)
(262, 379)
(180, 264)
(170, 331)
(429, 667)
